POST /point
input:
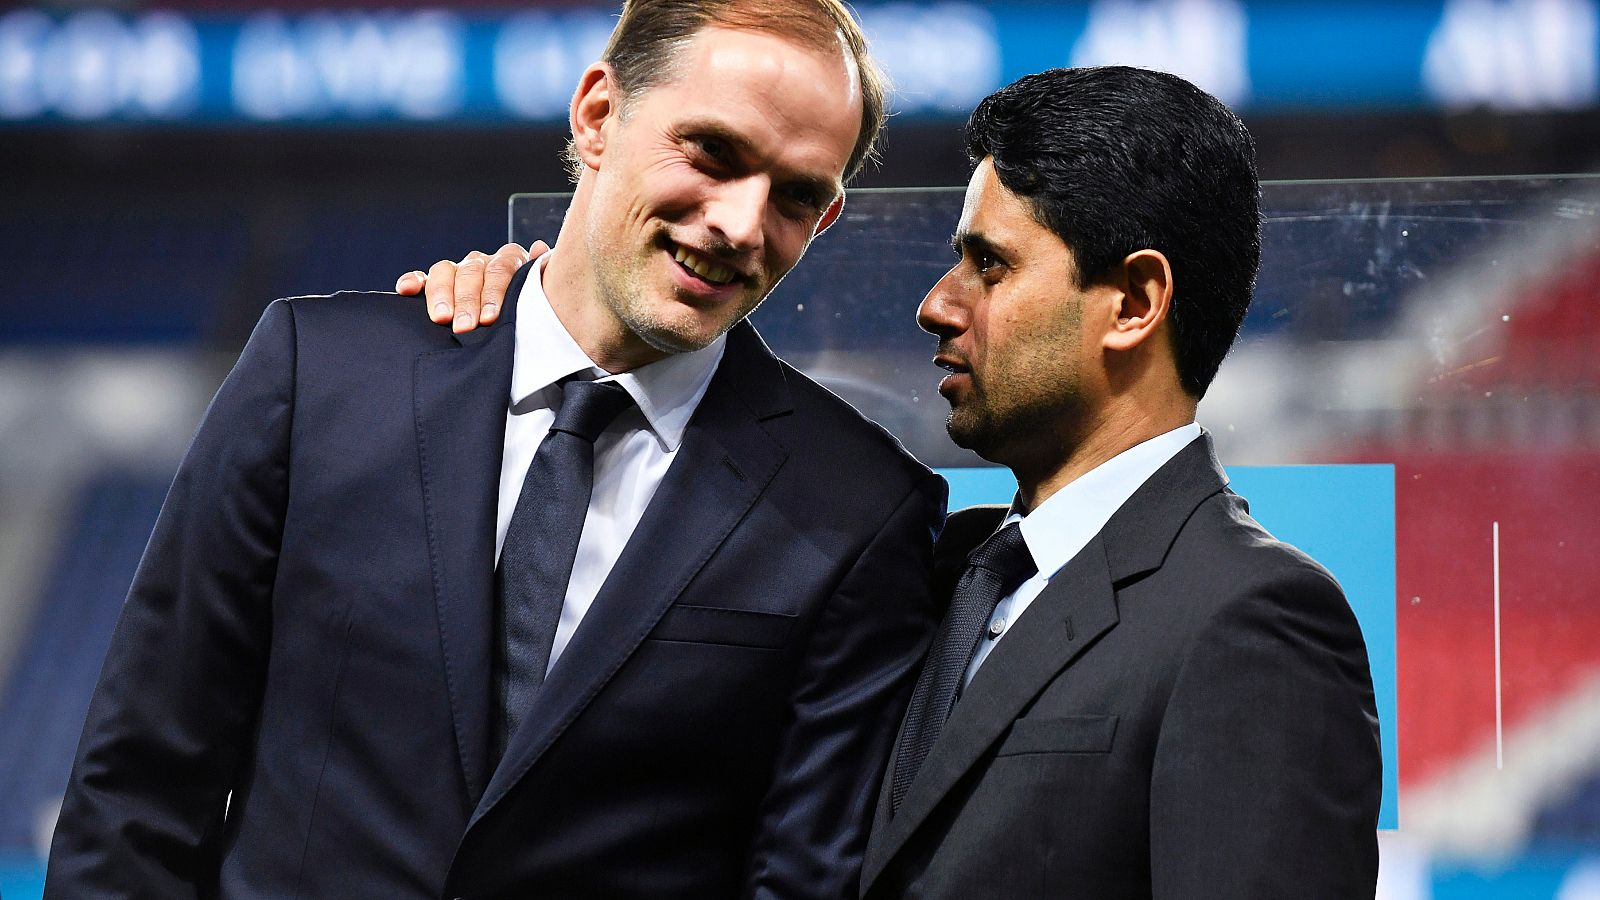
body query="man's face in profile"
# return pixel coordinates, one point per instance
(710, 185)
(1010, 320)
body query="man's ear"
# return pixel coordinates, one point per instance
(1144, 284)
(595, 102)
(830, 215)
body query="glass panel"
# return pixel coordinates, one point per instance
(1415, 399)
(1442, 331)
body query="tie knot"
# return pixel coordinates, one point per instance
(1005, 554)
(587, 407)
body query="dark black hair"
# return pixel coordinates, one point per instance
(1116, 160)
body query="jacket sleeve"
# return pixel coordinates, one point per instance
(169, 726)
(1267, 774)
(846, 704)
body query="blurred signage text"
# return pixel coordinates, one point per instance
(427, 65)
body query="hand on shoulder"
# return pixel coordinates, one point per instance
(471, 292)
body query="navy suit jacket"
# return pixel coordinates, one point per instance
(1184, 713)
(296, 702)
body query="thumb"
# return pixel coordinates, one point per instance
(410, 284)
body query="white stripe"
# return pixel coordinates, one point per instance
(1499, 720)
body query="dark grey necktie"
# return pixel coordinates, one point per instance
(541, 542)
(994, 570)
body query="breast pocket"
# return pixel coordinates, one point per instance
(730, 627)
(1060, 734)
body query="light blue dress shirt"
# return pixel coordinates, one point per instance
(1068, 519)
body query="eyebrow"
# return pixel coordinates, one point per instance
(972, 243)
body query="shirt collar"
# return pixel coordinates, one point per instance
(667, 391)
(1068, 519)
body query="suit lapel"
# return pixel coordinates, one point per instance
(1077, 607)
(1068, 616)
(726, 460)
(460, 396)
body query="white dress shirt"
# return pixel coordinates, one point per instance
(1068, 519)
(630, 457)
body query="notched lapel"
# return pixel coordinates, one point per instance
(460, 397)
(1070, 615)
(726, 461)
(1076, 608)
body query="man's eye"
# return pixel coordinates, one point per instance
(981, 260)
(712, 148)
(805, 197)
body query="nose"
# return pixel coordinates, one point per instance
(737, 211)
(942, 312)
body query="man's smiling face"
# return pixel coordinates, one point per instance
(711, 184)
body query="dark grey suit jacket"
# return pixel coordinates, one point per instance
(1186, 712)
(297, 699)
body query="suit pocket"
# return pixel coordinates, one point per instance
(734, 627)
(1060, 734)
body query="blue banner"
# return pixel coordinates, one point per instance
(440, 65)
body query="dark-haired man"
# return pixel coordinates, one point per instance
(1137, 692)
(604, 603)
(1156, 698)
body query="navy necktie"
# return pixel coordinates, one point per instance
(541, 542)
(994, 570)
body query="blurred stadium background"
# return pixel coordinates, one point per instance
(1429, 300)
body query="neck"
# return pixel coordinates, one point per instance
(1121, 424)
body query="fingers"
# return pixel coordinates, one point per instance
(410, 284)
(468, 292)
(441, 291)
(497, 275)
(471, 292)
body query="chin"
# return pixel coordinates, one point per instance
(963, 433)
(977, 432)
(670, 338)
(666, 325)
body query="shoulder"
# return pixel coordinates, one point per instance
(1233, 569)
(1224, 526)
(839, 436)
(839, 466)
(349, 331)
(1261, 608)
(365, 317)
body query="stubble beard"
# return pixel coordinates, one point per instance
(972, 425)
(621, 287)
(1008, 433)
(660, 335)
(1038, 406)
(623, 290)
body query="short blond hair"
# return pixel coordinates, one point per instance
(650, 33)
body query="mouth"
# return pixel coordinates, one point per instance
(704, 268)
(960, 373)
(951, 363)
